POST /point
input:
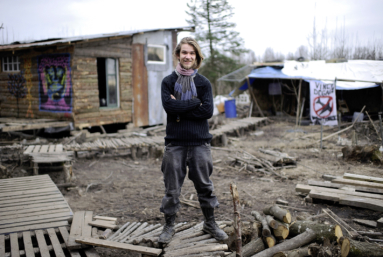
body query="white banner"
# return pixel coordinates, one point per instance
(323, 103)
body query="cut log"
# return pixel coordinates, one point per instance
(253, 247)
(270, 241)
(106, 233)
(265, 227)
(301, 252)
(362, 249)
(344, 246)
(271, 222)
(282, 231)
(278, 213)
(332, 232)
(293, 243)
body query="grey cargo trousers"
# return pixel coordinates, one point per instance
(174, 163)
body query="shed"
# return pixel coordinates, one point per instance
(89, 80)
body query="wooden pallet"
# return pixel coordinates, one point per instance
(137, 147)
(235, 128)
(50, 154)
(189, 239)
(351, 192)
(42, 242)
(30, 203)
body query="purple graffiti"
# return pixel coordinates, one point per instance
(55, 89)
(16, 87)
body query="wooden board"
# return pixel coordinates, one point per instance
(36, 226)
(14, 245)
(103, 224)
(307, 189)
(362, 177)
(44, 252)
(2, 245)
(28, 246)
(35, 126)
(117, 245)
(105, 218)
(357, 183)
(75, 230)
(369, 223)
(79, 228)
(339, 186)
(55, 243)
(31, 203)
(350, 200)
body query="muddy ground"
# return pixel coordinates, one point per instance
(132, 190)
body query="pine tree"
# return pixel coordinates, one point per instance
(216, 36)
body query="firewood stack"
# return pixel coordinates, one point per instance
(277, 227)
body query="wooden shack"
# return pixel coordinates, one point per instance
(89, 80)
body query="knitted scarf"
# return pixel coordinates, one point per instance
(184, 89)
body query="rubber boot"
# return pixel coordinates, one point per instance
(168, 230)
(209, 226)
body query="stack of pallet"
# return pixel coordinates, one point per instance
(141, 237)
(351, 189)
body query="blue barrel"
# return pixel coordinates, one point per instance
(230, 110)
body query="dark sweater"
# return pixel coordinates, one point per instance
(193, 127)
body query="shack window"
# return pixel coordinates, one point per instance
(11, 63)
(156, 54)
(107, 71)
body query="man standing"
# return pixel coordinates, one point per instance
(188, 101)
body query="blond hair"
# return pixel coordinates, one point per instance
(192, 42)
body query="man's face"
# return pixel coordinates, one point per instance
(187, 56)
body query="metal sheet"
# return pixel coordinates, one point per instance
(140, 87)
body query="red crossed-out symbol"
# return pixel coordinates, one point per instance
(323, 106)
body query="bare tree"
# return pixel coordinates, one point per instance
(302, 51)
(318, 43)
(290, 56)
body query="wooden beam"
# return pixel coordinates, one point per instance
(117, 245)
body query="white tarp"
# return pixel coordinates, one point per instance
(323, 103)
(366, 70)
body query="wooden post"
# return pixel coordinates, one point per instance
(253, 96)
(35, 168)
(67, 172)
(237, 219)
(298, 100)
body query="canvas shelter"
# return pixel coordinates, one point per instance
(356, 81)
(89, 80)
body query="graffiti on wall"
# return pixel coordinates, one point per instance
(16, 87)
(55, 87)
(28, 79)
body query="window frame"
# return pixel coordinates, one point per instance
(117, 72)
(156, 62)
(10, 63)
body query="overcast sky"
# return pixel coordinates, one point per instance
(281, 24)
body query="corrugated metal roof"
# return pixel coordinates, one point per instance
(69, 40)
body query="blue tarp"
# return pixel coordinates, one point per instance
(274, 73)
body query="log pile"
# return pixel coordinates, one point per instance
(297, 238)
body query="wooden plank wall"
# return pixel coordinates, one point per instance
(85, 97)
(85, 82)
(29, 105)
